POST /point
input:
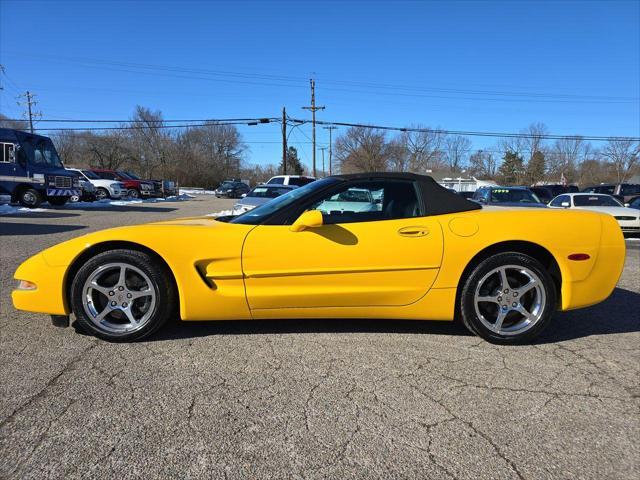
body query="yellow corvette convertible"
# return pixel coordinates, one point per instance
(380, 245)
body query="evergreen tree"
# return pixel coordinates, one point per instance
(512, 169)
(294, 166)
(536, 168)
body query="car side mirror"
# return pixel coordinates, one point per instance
(309, 219)
(565, 204)
(243, 195)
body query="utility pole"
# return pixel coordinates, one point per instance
(323, 170)
(313, 109)
(29, 104)
(330, 128)
(284, 141)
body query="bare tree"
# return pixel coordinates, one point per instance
(362, 149)
(423, 149)
(622, 155)
(456, 148)
(13, 124)
(108, 150)
(564, 157)
(483, 164)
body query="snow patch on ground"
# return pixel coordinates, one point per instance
(17, 210)
(196, 191)
(221, 213)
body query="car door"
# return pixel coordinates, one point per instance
(373, 249)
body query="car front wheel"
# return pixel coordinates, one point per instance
(133, 193)
(102, 193)
(508, 298)
(30, 198)
(122, 295)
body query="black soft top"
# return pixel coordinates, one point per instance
(437, 199)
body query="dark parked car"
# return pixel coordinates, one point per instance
(622, 191)
(507, 197)
(231, 189)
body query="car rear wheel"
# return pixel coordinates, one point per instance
(122, 295)
(102, 193)
(508, 298)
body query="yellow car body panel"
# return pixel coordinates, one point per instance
(409, 268)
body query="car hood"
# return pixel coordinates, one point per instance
(630, 212)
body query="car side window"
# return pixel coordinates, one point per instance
(276, 181)
(557, 202)
(369, 201)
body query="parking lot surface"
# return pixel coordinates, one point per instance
(311, 399)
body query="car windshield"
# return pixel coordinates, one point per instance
(268, 192)
(595, 201)
(259, 214)
(227, 185)
(89, 174)
(130, 175)
(126, 175)
(41, 151)
(513, 195)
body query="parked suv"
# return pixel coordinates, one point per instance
(231, 189)
(507, 197)
(622, 191)
(104, 188)
(135, 188)
(295, 180)
(31, 170)
(161, 188)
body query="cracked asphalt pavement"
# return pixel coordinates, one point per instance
(312, 399)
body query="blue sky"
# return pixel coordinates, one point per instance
(488, 66)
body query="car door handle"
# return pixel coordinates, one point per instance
(413, 231)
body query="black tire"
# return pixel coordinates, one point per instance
(546, 291)
(160, 281)
(133, 193)
(29, 197)
(57, 201)
(102, 193)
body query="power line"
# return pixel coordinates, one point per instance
(327, 124)
(401, 90)
(480, 133)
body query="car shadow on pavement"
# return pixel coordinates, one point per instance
(125, 208)
(35, 228)
(47, 214)
(618, 314)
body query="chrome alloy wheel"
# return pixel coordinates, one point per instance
(510, 300)
(119, 298)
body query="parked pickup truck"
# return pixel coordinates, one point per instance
(135, 188)
(31, 171)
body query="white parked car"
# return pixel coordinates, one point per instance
(628, 218)
(295, 180)
(104, 188)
